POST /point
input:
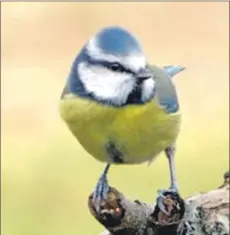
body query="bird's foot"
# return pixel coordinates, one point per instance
(101, 192)
(162, 198)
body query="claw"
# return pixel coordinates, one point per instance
(161, 198)
(160, 203)
(101, 191)
(161, 193)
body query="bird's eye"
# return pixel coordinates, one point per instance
(116, 67)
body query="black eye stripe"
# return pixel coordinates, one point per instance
(116, 67)
(111, 66)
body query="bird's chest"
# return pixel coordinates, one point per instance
(131, 134)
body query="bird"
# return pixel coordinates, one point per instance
(119, 107)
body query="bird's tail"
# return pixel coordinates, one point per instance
(172, 70)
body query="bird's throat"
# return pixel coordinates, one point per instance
(135, 96)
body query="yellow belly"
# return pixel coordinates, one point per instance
(139, 132)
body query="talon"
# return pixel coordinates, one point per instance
(161, 193)
(161, 198)
(161, 205)
(101, 191)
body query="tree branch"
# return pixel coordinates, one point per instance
(203, 214)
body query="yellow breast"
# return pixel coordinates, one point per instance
(138, 132)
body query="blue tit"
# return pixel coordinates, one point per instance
(121, 109)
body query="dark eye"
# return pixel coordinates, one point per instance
(116, 67)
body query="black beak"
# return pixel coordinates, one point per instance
(144, 74)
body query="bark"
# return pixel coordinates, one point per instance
(203, 214)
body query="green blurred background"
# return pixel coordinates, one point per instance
(46, 175)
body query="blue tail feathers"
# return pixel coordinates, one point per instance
(172, 70)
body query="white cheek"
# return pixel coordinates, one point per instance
(147, 89)
(105, 84)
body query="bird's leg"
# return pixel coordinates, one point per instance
(102, 188)
(170, 154)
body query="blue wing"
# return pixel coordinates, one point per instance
(166, 92)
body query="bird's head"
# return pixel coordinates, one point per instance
(112, 69)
